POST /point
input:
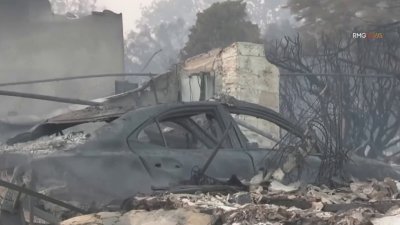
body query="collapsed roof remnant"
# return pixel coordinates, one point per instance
(160, 89)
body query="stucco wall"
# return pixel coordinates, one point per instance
(240, 70)
(35, 44)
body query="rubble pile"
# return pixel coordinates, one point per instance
(361, 203)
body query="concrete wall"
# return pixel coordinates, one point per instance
(240, 70)
(35, 44)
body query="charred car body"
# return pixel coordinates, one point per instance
(160, 146)
(153, 147)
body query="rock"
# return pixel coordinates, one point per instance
(277, 186)
(134, 217)
(103, 218)
(387, 220)
(241, 198)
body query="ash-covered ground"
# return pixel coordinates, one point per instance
(361, 203)
(47, 144)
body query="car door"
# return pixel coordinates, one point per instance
(178, 142)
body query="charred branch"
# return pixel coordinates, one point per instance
(348, 85)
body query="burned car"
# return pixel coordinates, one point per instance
(150, 148)
(166, 145)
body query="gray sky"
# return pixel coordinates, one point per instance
(130, 9)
